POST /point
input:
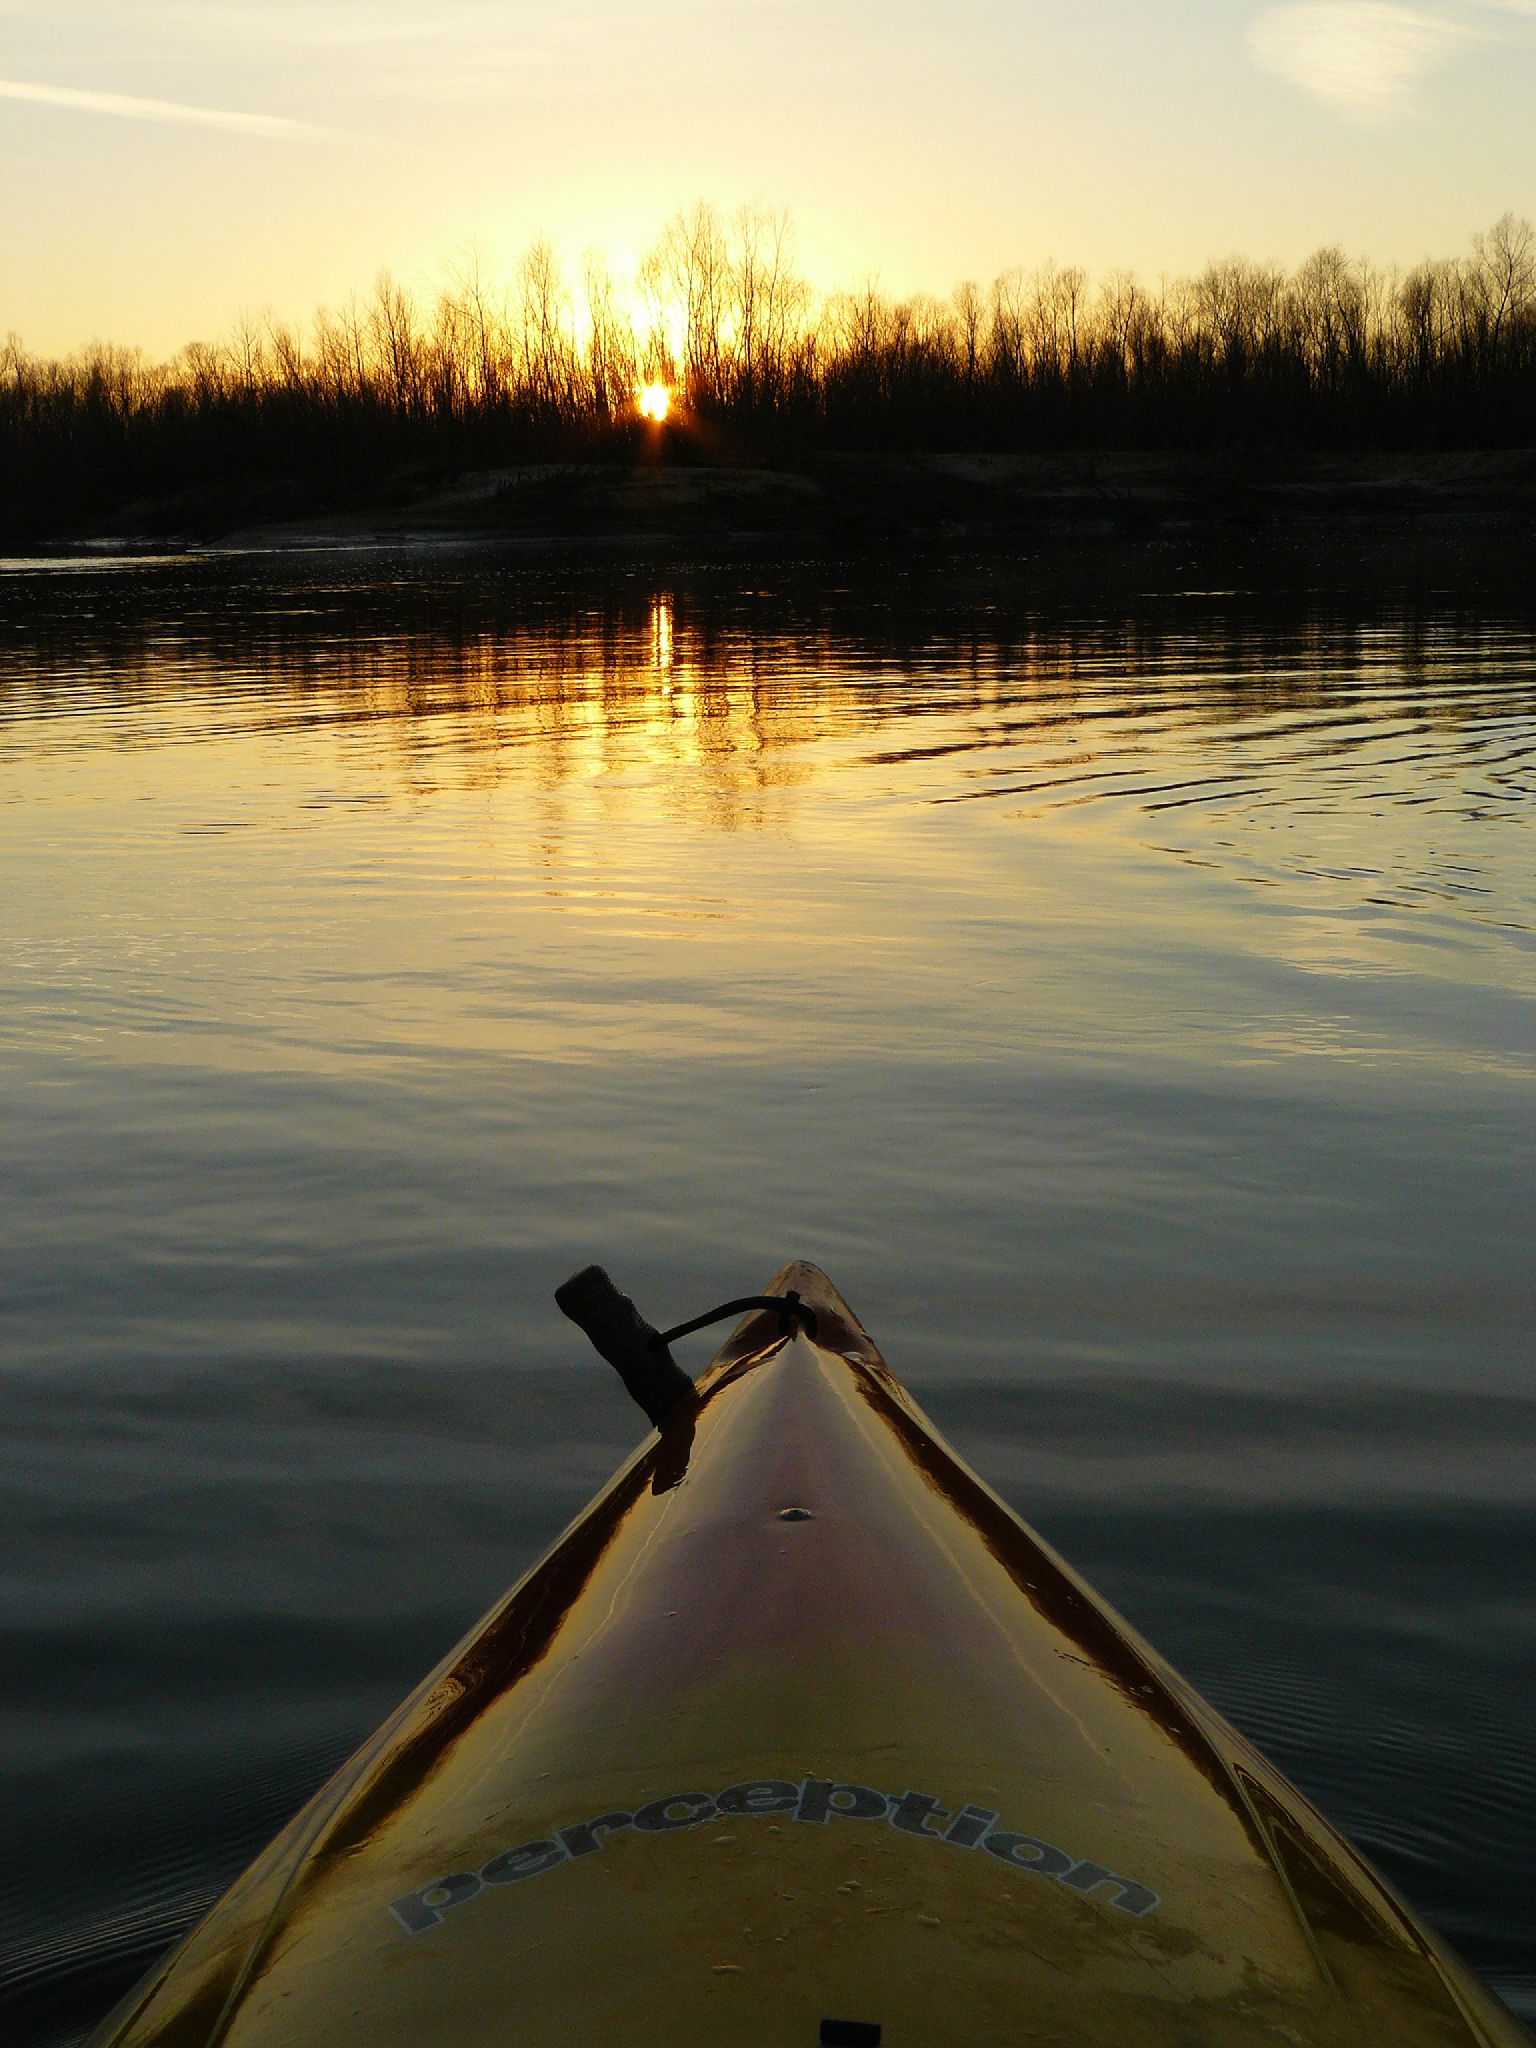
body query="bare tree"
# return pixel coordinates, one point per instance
(1504, 262)
(612, 354)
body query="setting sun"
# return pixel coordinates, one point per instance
(654, 401)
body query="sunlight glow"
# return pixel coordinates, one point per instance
(654, 401)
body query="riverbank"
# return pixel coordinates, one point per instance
(1436, 500)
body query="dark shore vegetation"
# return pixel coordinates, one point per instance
(1337, 356)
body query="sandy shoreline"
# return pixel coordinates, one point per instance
(1460, 514)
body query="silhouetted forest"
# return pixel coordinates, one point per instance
(1337, 354)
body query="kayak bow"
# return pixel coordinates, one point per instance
(799, 1735)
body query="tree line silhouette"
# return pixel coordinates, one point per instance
(1337, 353)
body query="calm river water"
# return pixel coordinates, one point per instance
(1128, 995)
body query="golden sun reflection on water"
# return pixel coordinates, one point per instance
(1207, 745)
(661, 634)
(662, 762)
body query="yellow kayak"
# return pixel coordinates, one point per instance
(799, 1736)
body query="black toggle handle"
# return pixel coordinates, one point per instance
(619, 1333)
(789, 1307)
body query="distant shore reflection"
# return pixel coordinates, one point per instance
(463, 679)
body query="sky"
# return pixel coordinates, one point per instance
(168, 166)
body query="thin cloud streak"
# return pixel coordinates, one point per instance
(1363, 57)
(126, 107)
(295, 27)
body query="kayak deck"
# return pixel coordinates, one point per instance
(798, 1724)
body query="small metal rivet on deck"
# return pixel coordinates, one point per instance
(795, 1515)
